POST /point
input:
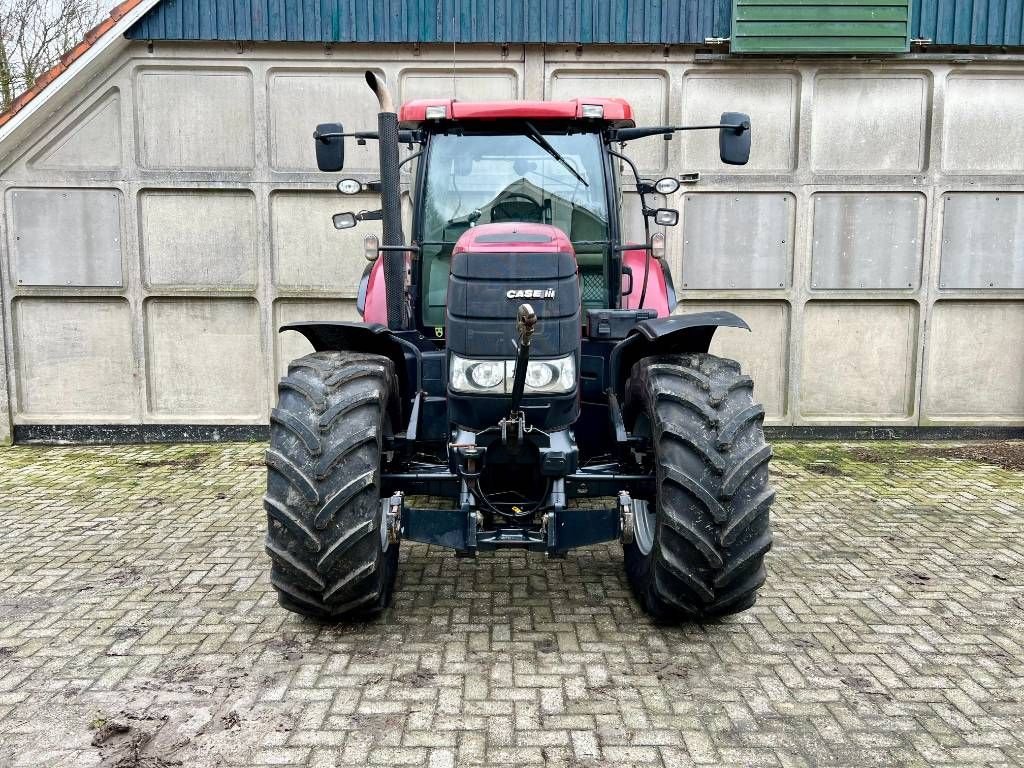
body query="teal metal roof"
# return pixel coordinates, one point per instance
(969, 22)
(945, 22)
(438, 21)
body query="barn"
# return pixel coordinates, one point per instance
(162, 213)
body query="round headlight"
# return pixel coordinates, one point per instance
(666, 185)
(539, 375)
(487, 375)
(350, 187)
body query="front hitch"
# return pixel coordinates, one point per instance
(513, 425)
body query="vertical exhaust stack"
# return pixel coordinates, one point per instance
(391, 203)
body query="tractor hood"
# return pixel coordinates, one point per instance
(494, 269)
(522, 237)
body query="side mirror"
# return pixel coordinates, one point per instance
(666, 217)
(734, 143)
(330, 147)
(345, 220)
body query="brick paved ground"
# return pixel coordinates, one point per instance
(137, 629)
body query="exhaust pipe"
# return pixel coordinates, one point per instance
(380, 90)
(391, 204)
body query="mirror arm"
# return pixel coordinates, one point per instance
(323, 137)
(404, 137)
(628, 134)
(737, 127)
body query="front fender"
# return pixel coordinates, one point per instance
(675, 334)
(372, 302)
(373, 338)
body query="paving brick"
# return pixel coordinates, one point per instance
(133, 590)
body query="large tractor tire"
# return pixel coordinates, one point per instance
(326, 531)
(698, 549)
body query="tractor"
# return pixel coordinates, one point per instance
(520, 378)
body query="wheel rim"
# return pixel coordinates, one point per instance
(644, 523)
(385, 507)
(644, 520)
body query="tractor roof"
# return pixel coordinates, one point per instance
(615, 112)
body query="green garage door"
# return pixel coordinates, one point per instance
(820, 26)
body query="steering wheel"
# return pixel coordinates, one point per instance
(516, 206)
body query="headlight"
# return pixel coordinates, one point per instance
(481, 376)
(496, 376)
(547, 375)
(487, 374)
(539, 375)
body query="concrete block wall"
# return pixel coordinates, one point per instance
(164, 220)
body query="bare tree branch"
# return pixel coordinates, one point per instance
(34, 34)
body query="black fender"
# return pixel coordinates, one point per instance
(374, 338)
(674, 334)
(364, 284)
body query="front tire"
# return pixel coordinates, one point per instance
(699, 553)
(326, 537)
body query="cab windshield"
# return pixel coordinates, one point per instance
(483, 178)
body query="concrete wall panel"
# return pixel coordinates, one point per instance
(984, 123)
(740, 240)
(647, 91)
(195, 118)
(763, 351)
(975, 368)
(198, 238)
(772, 101)
(291, 344)
(91, 141)
(309, 253)
(982, 240)
(6, 427)
(487, 85)
(863, 124)
(858, 360)
(65, 237)
(869, 240)
(75, 360)
(205, 359)
(299, 100)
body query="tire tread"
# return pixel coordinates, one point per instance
(323, 486)
(713, 493)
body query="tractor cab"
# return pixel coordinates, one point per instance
(493, 162)
(517, 354)
(543, 162)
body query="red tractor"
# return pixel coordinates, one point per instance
(516, 356)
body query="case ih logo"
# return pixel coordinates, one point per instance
(532, 293)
